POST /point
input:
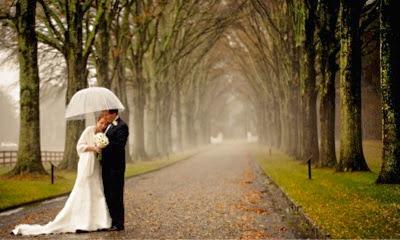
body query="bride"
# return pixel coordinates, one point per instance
(86, 208)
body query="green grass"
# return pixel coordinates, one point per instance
(24, 189)
(347, 205)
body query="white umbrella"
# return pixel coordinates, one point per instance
(91, 100)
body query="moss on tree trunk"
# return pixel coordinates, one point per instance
(102, 53)
(390, 85)
(351, 150)
(308, 79)
(328, 17)
(327, 156)
(29, 152)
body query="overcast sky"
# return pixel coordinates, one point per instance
(8, 80)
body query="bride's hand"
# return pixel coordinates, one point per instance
(96, 149)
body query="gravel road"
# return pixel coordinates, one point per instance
(219, 193)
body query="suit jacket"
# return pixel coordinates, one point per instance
(113, 155)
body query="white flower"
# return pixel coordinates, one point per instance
(101, 140)
(115, 123)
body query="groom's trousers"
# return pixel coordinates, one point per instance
(113, 182)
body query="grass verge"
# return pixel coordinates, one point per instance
(346, 205)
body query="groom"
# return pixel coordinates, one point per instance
(113, 168)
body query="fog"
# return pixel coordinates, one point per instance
(233, 117)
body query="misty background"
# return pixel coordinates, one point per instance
(233, 117)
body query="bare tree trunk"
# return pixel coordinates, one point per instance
(166, 108)
(152, 148)
(77, 73)
(103, 51)
(351, 149)
(189, 128)
(293, 148)
(261, 124)
(308, 78)
(138, 116)
(178, 117)
(139, 99)
(267, 122)
(285, 117)
(151, 135)
(120, 88)
(131, 118)
(295, 103)
(29, 152)
(328, 68)
(119, 83)
(327, 123)
(277, 124)
(185, 139)
(390, 76)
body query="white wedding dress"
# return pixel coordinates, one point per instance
(86, 207)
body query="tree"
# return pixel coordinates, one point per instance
(351, 149)
(103, 42)
(140, 44)
(390, 90)
(119, 27)
(308, 83)
(328, 14)
(29, 153)
(64, 25)
(284, 52)
(185, 32)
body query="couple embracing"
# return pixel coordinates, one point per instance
(96, 200)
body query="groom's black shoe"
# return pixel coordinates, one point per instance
(116, 228)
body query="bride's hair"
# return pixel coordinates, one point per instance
(100, 116)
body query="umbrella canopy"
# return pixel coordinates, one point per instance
(91, 100)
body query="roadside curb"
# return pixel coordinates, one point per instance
(308, 227)
(34, 202)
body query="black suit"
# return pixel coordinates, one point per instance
(113, 170)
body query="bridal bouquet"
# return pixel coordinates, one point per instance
(101, 141)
